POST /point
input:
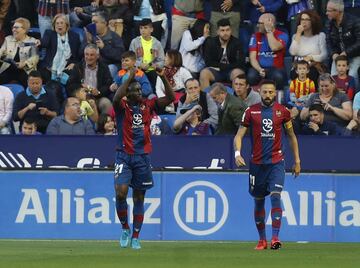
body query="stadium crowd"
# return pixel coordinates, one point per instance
(62, 61)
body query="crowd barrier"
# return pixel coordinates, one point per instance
(183, 205)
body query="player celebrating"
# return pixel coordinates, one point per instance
(267, 169)
(132, 163)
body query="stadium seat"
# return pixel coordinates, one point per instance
(15, 88)
(169, 118)
(80, 32)
(34, 32)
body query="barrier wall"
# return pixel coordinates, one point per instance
(322, 154)
(181, 206)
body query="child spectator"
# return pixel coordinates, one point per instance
(29, 127)
(344, 82)
(88, 107)
(106, 125)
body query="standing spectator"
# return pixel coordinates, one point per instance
(189, 123)
(260, 7)
(225, 9)
(35, 102)
(344, 82)
(176, 75)
(343, 37)
(18, 54)
(184, 15)
(191, 47)
(75, 21)
(267, 51)
(149, 51)
(243, 90)
(109, 43)
(6, 107)
(71, 122)
(267, 121)
(230, 112)
(223, 56)
(94, 75)
(48, 9)
(309, 44)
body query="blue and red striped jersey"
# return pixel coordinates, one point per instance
(266, 131)
(133, 125)
(264, 55)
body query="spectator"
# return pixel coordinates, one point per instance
(184, 15)
(191, 47)
(87, 106)
(106, 125)
(5, 7)
(309, 43)
(343, 37)
(225, 9)
(148, 50)
(223, 56)
(260, 7)
(193, 95)
(62, 50)
(94, 75)
(74, 5)
(48, 9)
(317, 125)
(176, 75)
(267, 51)
(244, 92)
(355, 121)
(109, 43)
(230, 112)
(189, 123)
(336, 104)
(35, 102)
(155, 11)
(29, 127)
(18, 54)
(71, 122)
(6, 107)
(344, 82)
(128, 62)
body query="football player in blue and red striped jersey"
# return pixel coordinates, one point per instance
(266, 122)
(132, 163)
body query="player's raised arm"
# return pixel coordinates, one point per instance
(169, 93)
(294, 147)
(239, 160)
(121, 91)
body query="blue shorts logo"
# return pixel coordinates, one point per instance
(200, 208)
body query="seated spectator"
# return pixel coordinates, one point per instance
(87, 105)
(128, 62)
(191, 47)
(345, 83)
(336, 104)
(29, 127)
(343, 37)
(189, 123)
(193, 95)
(354, 123)
(176, 75)
(300, 88)
(243, 91)
(18, 54)
(62, 50)
(309, 43)
(110, 44)
(35, 102)
(71, 122)
(317, 125)
(223, 56)
(267, 50)
(106, 125)
(230, 112)
(94, 75)
(149, 51)
(6, 108)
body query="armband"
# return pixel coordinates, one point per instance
(288, 125)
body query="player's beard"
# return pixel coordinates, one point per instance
(268, 101)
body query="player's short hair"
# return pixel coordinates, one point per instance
(302, 62)
(223, 22)
(128, 54)
(134, 85)
(341, 58)
(316, 107)
(267, 82)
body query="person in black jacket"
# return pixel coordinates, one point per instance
(343, 37)
(94, 75)
(223, 56)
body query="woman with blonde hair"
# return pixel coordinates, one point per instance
(18, 54)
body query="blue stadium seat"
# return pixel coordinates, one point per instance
(79, 31)
(169, 118)
(15, 88)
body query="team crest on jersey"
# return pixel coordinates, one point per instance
(278, 113)
(142, 107)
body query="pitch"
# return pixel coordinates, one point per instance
(63, 253)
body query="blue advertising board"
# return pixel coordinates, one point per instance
(181, 206)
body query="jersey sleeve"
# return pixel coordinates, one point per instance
(252, 43)
(287, 115)
(151, 103)
(246, 118)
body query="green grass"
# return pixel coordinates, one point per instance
(23, 253)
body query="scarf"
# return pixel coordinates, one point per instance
(63, 53)
(169, 74)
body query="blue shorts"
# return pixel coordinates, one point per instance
(266, 178)
(133, 170)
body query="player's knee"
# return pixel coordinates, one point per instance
(275, 198)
